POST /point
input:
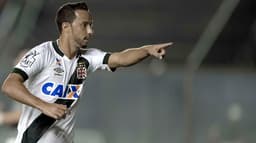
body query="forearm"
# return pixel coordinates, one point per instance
(15, 89)
(134, 55)
(129, 57)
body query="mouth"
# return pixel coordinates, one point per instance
(83, 47)
(86, 40)
(84, 43)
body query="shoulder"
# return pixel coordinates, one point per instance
(43, 48)
(42, 51)
(96, 58)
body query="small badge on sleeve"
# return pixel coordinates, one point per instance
(29, 59)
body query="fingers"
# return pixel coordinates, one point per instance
(61, 112)
(56, 111)
(161, 49)
(161, 53)
(164, 45)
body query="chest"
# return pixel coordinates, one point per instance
(66, 71)
(63, 78)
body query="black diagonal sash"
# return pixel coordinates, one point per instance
(43, 122)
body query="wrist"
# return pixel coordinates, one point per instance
(146, 48)
(40, 105)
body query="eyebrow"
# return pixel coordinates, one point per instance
(87, 21)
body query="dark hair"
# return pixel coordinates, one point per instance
(66, 13)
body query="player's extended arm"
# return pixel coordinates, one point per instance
(13, 87)
(132, 56)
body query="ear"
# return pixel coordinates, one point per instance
(65, 26)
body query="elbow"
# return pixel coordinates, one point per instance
(11, 85)
(6, 88)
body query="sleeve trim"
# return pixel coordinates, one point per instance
(106, 57)
(105, 61)
(20, 72)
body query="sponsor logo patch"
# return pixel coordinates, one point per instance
(71, 91)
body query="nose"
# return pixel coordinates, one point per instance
(89, 30)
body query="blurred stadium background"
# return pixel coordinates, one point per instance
(202, 92)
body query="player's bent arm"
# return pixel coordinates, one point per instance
(132, 56)
(14, 88)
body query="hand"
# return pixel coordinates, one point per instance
(158, 50)
(56, 111)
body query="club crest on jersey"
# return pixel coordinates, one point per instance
(71, 91)
(81, 71)
(29, 59)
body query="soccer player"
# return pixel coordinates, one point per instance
(49, 78)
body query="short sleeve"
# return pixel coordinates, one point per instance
(98, 60)
(31, 63)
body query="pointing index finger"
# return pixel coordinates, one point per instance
(168, 44)
(165, 45)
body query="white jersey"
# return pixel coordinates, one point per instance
(53, 77)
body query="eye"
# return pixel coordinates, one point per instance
(91, 24)
(85, 24)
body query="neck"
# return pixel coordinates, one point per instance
(67, 47)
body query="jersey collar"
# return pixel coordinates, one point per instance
(57, 49)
